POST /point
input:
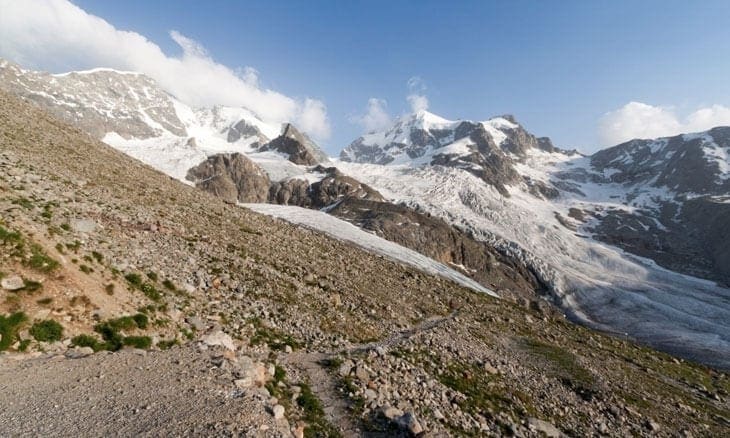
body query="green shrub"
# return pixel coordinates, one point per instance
(9, 326)
(141, 320)
(31, 286)
(109, 288)
(152, 276)
(85, 269)
(45, 301)
(166, 345)
(23, 346)
(151, 292)
(97, 256)
(113, 341)
(169, 285)
(133, 279)
(47, 331)
(143, 342)
(86, 341)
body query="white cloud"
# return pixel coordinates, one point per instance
(376, 116)
(417, 98)
(639, 120)
(313, 119)
(57, 35)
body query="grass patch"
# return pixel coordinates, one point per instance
(41, 261)
(8, 236)
(566, 367)
(275, 339)
(87, 341)
(46, 331)
(9, 327)
(148, 289)
(167, 344)
(141, 342)
(134, 279)
(314, 415)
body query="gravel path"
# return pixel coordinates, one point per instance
(129, 393)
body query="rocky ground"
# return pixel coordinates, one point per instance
(208, 319)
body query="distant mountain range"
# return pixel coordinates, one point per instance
(634, 239)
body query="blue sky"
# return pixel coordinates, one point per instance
(559, 66)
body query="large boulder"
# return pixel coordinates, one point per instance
(233, 177)
(332, 188)
(298, 148)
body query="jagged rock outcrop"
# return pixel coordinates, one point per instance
(244, 129)
(437, 239)
(232, 177)
(98, 101)
(333, 187)
(687, 178)
(487, 149)
(299, 148)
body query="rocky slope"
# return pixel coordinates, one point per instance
(547, 210)
(392, 352)
(230, 153)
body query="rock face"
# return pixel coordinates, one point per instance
(333, 187)
(261, 278)
(687, 229)
(437, 239)
(232, 177)
(12, 283)
(245, 129)
(98, 101)
(297, 147)
(487, 149)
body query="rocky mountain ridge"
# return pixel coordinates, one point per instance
(282, 331)
(547, 210)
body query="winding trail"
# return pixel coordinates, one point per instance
(314, 365)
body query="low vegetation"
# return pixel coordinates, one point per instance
(46, 331)
(9, 327)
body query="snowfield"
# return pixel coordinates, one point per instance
(345, 231)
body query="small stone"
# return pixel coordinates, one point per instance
(83, 225)
(370, 394)
(392, 413)
(12, 283)
(79, 352)
(409, 422)
(345, 368)
(298, 432)
(246, 382)
(490, 369)
(362, 374)
(288, 349)
(219, 338)
(543, 426)
(278, 411)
